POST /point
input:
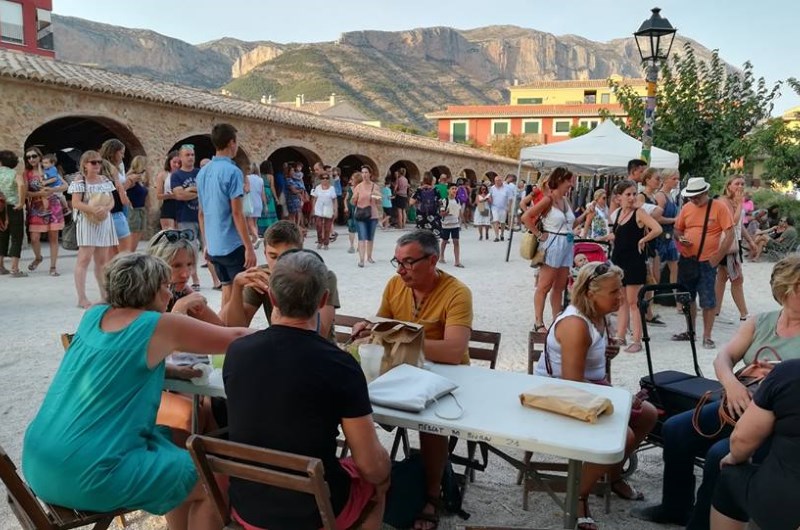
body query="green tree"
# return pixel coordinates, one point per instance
(779, 144)
(703, 111)
(508, 146)
(578, 130)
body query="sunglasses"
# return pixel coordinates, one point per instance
(94, 162)
(600, 270)
(299, 250)
(324, 178)
(174, 235)
(31, 156)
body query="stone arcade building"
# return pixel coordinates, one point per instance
(57, 106)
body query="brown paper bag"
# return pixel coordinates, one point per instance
(568, 401)
(402, 343)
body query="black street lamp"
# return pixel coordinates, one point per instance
(654, 40)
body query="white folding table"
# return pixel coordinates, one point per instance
(493, 415)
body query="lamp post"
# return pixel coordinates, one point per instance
(654, 40)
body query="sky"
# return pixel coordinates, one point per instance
(763, 32)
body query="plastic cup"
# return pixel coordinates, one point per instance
(371, 356)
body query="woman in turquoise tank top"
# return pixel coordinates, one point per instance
(94, 444)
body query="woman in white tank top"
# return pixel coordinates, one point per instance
(576, 349)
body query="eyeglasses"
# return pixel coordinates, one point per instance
(174, 235)
(31, 156)
(94, 162)
(303, 250)
(406, 264)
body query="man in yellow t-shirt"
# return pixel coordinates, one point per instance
(442, 304)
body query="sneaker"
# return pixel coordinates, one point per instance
(657, 513)
(656, 321)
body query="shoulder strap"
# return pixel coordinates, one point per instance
(705, 226)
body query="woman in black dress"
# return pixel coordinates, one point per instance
(631, 229)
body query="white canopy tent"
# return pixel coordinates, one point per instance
(606, 150)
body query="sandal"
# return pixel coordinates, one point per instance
(634, 347)
(709, 344)
(18, 274)
(3, 271)
(681, 336)
(623, 490)
(586, 522)
(432, 518)
(54, 272)
(35, 263)
(196, 287)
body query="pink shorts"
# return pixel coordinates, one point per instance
(361, 492)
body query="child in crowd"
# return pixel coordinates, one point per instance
(577, 262)
(451, 224)
(52, 178)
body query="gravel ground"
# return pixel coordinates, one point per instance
(35, 310)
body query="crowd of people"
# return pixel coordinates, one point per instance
(101, 449)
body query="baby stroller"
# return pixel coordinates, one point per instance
(670, 391)
(594, 251)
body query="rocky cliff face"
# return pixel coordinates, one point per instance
(394, 76)
(255, 57)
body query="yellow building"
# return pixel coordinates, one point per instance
(792, 117)
(572, 92)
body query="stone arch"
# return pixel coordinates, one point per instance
(294, 153)
(203, 148)
(412, 170)
(69, 136)
(469, 174)
(352, 163)
(441, 170)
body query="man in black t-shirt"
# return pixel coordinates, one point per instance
(289, 389)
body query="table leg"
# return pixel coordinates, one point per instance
(195, 412)
(574, 469)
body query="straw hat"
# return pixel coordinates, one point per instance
(696, 186)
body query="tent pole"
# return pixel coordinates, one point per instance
(513, 216)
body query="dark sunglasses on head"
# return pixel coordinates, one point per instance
(600, 270)
(175, 235)
(304, 250)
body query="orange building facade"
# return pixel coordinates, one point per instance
(26, 26)
(542, 112)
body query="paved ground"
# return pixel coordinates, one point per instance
(35, 310)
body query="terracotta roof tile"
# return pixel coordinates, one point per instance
(36, 69)
(523, 111)
(577, 83)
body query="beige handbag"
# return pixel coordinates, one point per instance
(402, 343)
(528, 246)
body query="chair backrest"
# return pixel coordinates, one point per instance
(344, 325)
(535, 347)
(479, 351)
(286, 470)
(22, 500)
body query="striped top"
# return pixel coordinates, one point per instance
(90, 233)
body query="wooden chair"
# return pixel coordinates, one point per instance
(483, 346)
(274, 468)
(35, 514)
(549, 476)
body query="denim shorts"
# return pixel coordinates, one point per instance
(703, 286)
(666, 249)
(557, 251)
(121, 224)
(229, 265)
(447, 233)
(366, 229)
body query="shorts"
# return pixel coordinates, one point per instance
(557, 251)
(447, 232)
(666, 249)
(229, 265)
(361, 493)
(499, 215)
(137, 219)
(366, 229)
(702, 286)
(400, 202)
(169, 209)
(194, 227)
(121, 224)
(389, 211)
